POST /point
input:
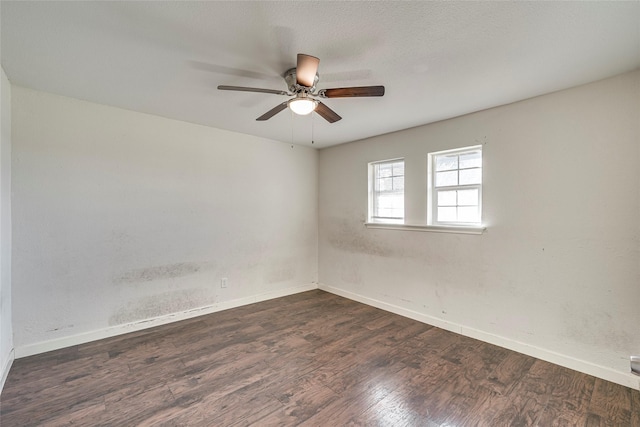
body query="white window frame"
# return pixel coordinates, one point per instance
(373, 198)
(432, 191)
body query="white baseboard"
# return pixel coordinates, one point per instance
(68, 341)
(626, 379)
(6, 368)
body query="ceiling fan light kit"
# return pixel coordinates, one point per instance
(303, 105)
(301, 82)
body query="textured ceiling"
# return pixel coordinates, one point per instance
(437, 59)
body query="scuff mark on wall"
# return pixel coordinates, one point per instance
(59, 328)
(162, 304)
(160, 272)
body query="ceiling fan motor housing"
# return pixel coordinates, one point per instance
(292, 83)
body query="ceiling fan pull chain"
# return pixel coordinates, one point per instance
(313, 121)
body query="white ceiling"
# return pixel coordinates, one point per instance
(436, 59)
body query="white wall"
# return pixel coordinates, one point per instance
(557, 273)
(6, 329)
(120, 217)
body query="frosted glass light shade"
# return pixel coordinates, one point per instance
(302, 106)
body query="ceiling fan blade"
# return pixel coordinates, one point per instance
(352, 92)
(275, 110)
(327, 113)
(252, 89)
(306, 69)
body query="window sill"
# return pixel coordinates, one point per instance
(459, 229)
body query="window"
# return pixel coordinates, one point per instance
(386, 191)
(455, 187)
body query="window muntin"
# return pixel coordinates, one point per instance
(456, 186)
(386, 195)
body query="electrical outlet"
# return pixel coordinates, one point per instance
(223, 282)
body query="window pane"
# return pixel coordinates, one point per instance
(385, 202)
(471, 160)
(385, 184)
(445, 163)
(398, 183)
(390, 205)
(468, 214)
(468, 197)
(447, 214)
(390, 201)
(397, 204)
(384, 170)
(385, 213)
(470, 176)
(398, 168)
(446, 178)
(446, 198)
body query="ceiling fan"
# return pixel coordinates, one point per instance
(301, 82)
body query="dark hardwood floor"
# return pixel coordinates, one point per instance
(311, 359)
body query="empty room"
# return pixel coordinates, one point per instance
(320, 213)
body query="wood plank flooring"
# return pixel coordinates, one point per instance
(311, 359)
